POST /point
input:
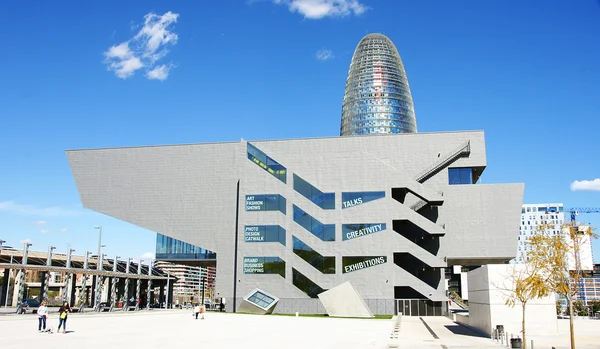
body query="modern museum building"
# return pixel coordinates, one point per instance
(296, 217)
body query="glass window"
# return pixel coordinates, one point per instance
(305, 284)
(325, 232)
(352, 199)
(261, 300)
(325, 265)
(350, 264)
(266, 163)
(460, 175)
(264, 233)
(353, 231)
(266, 202)
(168, 248)
(323, 200)
(264, 265)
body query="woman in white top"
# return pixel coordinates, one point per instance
(197, 310)
(42, 316)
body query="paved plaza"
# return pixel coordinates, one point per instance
(162, 328)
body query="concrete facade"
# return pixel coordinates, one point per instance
(344, 301)
(489, 288)
(197, 194)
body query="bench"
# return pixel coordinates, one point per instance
(394, 341)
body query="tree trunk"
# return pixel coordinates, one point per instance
(571, 328)
(523, 327)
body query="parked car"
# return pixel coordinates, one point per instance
(33, 303)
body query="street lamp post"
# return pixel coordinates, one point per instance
(1, 243)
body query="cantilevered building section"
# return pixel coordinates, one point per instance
(377, 97)
(298, 217)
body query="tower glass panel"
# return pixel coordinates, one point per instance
(377, 97)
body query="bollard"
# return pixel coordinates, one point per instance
(502, 340)
(531, 344)
(507, 342)
(296, 314)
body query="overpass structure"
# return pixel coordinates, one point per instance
(88, 280)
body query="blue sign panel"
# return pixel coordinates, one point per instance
(265, 202)
(264, 233)
(264, 265)
(353, 231)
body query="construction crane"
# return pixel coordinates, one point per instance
(576, 211)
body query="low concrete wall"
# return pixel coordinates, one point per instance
(489, 288)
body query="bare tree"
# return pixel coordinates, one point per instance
(558, 259)
(525, 284)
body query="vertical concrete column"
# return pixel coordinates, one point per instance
(99, 284)
(138, 289)
(149, 289)
(126, 291)
(68, 276)
(83, 294)
(113, 285)
(44, 280)
(22, 274)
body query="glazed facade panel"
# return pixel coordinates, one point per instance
(377, 97)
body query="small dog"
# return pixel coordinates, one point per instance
(48, 330)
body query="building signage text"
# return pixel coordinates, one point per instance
(367, 263)
(254, 265)
(353, 231)
(254, 233)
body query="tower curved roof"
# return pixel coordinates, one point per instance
(377, 98)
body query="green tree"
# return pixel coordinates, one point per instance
(557, 257)
(595, 304)
(580, 308)
(559, 307)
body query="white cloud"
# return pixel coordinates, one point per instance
(149, 45)
(30, 210)
(324, 54)
(26, 241)
(593, 185)
(147, 256)
(63, 230)
(317, 9)
(160, 72)
(39, 223)
(44, 231)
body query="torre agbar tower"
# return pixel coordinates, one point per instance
(377, 97)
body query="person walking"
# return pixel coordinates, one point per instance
(197, 310)
(42, 316)
(62, 317)
(202, 311)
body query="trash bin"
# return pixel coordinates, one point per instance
(500, 328)
(516, 343)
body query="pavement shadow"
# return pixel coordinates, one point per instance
(462, 330)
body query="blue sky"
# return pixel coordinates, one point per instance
(201, 71)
